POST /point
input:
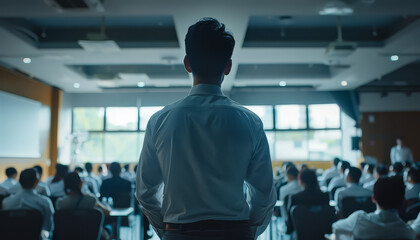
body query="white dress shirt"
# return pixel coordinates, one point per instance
(56, 188)
(199, 151)
(401, 154)
(330, 173)
(8, 183)
(366, 177)
(382, 224)
(287, 190)
(337, 181)
(3, 191)
(369, 185)
(416, 225)
(41, 188)
(412, 191)
(29, 199)
(352, 190)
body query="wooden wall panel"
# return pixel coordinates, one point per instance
(380, 129)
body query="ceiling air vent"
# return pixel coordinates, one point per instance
(77, 5)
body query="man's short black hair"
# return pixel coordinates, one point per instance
(78, 169)
(398, 167)
(10, 172)
(414, 174)
(209, 47)
(292, 171)
(370, 168)
(389, 192)
(115, 169)
(336, 161)
(354, 174)
(38, 169)
(382, 170)
(308, 177)
(88, 167)
(100, 169)
(344, 165)
(28, 178)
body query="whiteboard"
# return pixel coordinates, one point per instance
(24, 127)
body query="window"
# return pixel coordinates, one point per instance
(291, 117)
(323, 116)
(324, 144)
(122, 147)
(91, 149)
(121, 118)
(145, 114)
(88, 119)
(265, 113)
(291, 145)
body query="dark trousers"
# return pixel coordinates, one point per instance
(209, 231)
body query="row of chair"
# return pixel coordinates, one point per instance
(68, 224)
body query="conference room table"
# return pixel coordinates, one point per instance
(119, 213)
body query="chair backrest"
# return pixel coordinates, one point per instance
(121, 199)
(352, 204)
(332, 193)
(20, 224)
(53, 201)
(412, 212)
(78, 224)
(312, 222)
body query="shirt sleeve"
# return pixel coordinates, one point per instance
(347, 225)
(259, 179)
(48, 216)
(148, 183)
(416, 225)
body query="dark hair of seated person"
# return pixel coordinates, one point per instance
(398, 167)
(382, 170)
(78, 169)
(115, 169)
(414, 175)
(389, 192)
(293, 172)
(10, 172)
(308, 177)
(354, 174)
(73, 183)
(336, 161)
(28, 178)
(370, 168)
(88, 167)
(344, 165)
(209, 48)
(38, 169)
(60, 171)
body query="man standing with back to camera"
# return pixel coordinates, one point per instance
(199, 151)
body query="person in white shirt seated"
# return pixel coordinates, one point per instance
(401, 153)
(330, 173)
(40, 188)
(397, 169)
(339, 181)
(56, 183)
(90, 175)
(29, 199)
(381, 170)
(367, 175)
(11, 174)
(388, 194)
(89, 185)
(353, 188)
(291, 188)
(413, 184)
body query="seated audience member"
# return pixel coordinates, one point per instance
(380, 170)
(75, 199)
(11, 174)
(311, 195)
(388, 194)
(29, 199)
(56, 183)
(413, 186)
(304, 167)
(89, 185)
(330, 173)
(353, 188)
(339, 181)
(291, 188)
(101, 173)
(40, 188)
(90, 175)
(126, 174)
(397, 169)
(367, 175)
(115, 186)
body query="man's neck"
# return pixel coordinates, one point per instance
(212, 81)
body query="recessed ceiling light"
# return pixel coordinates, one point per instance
(394, 58)
(282, 84)
(27, 60)
(344, 83)
(336, 8)
(76, 85)
(140, 84)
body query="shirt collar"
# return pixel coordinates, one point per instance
(206, 89)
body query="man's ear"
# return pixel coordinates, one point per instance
(187, 64)
(373, 199)
(228, 67)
